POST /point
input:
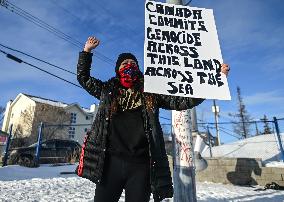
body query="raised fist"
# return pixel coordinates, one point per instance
(91, 44)
(225, 69)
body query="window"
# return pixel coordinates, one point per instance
(71, 132)
(87, 118)
(71, 136)
(73, 118)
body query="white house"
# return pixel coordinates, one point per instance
(80, 118)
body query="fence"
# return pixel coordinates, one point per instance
(270, 140)
(50, 142)
(264, 134)
(74, 132)
(271, 144)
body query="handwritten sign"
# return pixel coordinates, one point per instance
(182, 55)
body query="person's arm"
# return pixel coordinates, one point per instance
(176, 102)
(92, 85)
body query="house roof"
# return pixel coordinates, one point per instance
(83, 110)
(57, 103)
(46, 101)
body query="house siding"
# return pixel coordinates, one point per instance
(23, 102)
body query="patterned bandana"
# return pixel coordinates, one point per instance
(128, 75)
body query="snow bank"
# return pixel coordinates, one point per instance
(264, 147)
(275, 164)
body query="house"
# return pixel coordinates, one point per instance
(67, 121)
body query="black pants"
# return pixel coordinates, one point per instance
(120, 174)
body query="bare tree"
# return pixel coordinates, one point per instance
(243, 126)
(266, 127)
(18, 139)
(53, 118)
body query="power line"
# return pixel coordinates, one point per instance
(110, 13)
(229, 131)
(235, 122)
(225, 116)
(65, 10)
(188, 2)
(229, 134)
(16, 59)
(51, 29)
(41, 23)
(31, 18)
(77, 18)
(165, 118)
(223, 130)
(18, 51)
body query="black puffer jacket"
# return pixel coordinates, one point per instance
(93, 153)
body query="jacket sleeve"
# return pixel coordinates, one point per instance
(92, 85)
(177, 102)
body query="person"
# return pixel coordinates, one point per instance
(125, 148)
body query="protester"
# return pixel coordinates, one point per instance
(125, 148)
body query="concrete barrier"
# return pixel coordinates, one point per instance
(240, 171)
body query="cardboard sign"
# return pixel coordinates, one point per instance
(182, 55)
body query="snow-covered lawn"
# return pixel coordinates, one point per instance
(47, 184)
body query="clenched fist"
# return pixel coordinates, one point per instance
(225, 69)
(91, 44)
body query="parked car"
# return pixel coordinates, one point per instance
(51, 151)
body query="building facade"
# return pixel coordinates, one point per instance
(61, 120)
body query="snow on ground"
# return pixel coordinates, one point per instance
(264, 147)
(275, 164)
(47, 184)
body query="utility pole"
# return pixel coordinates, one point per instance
(216, 111)
(183, 155)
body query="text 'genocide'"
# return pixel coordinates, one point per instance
(174, 39)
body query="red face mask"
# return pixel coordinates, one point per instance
(128, 75)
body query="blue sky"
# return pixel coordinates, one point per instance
(250, 35)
